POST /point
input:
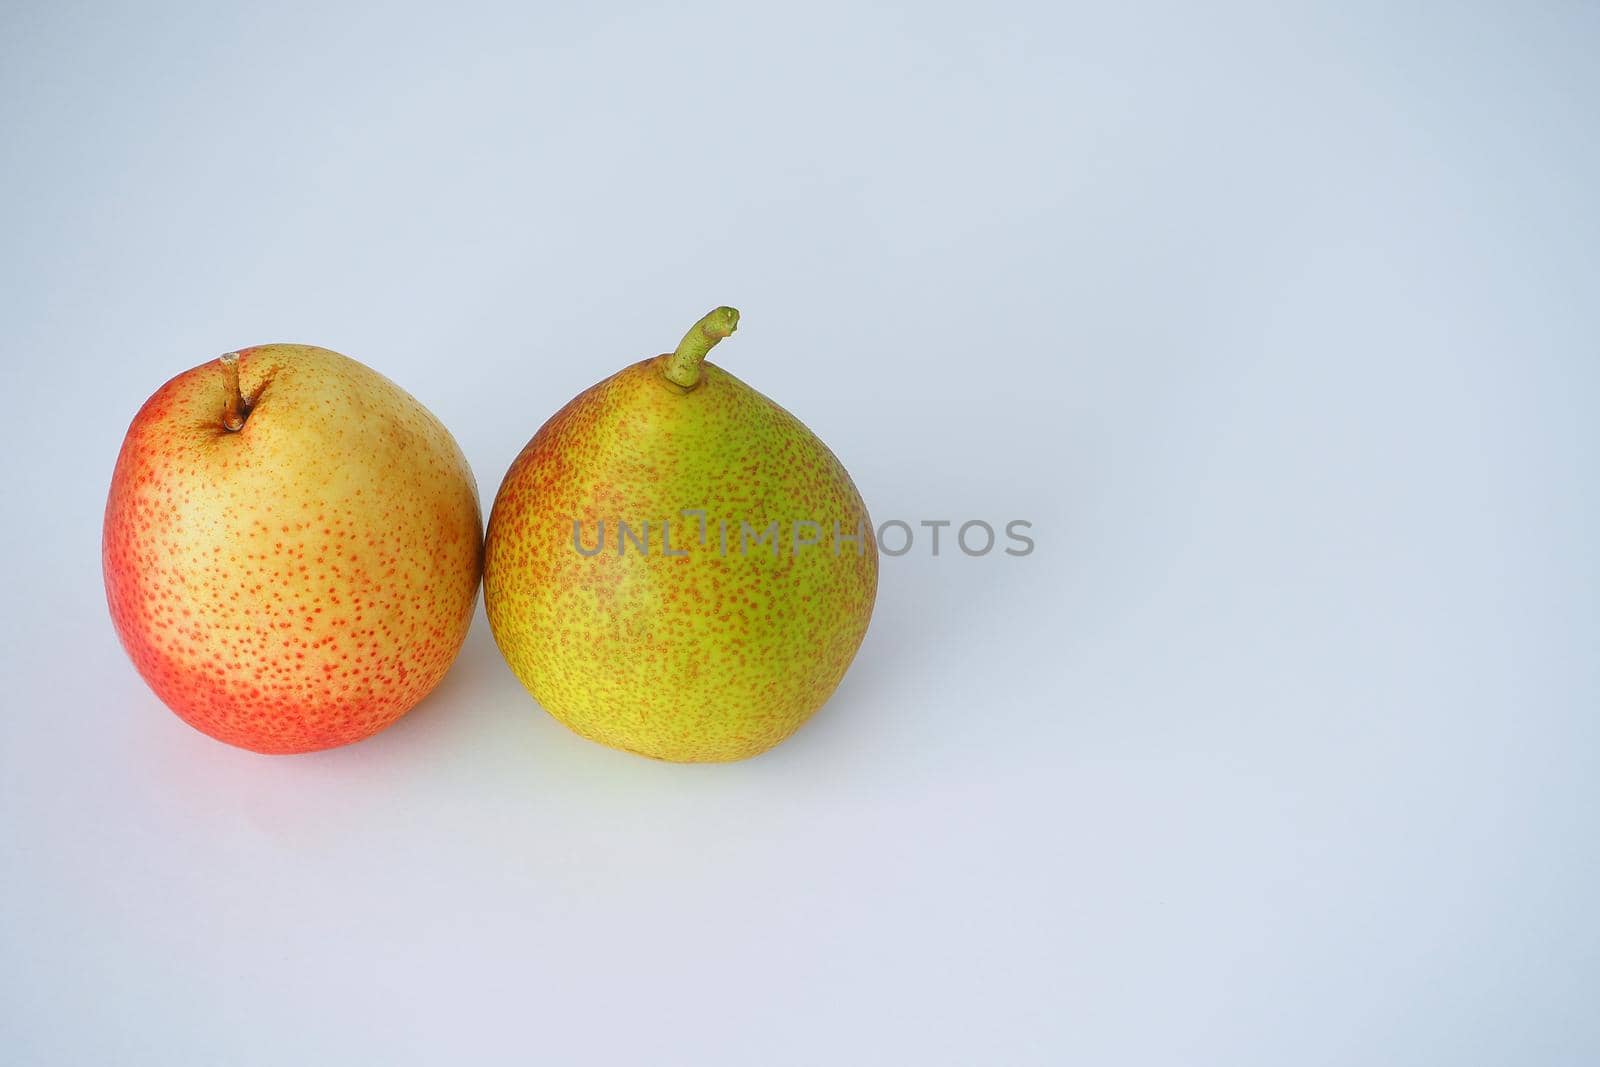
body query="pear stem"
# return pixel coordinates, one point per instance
(236, 408)
(683, 366)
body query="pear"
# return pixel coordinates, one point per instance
(675, 566)
(291, 548)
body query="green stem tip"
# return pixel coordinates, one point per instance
(683, 366)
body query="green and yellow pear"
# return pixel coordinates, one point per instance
(676, 566)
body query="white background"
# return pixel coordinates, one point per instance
(1279, 323)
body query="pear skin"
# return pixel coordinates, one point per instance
(628, 580)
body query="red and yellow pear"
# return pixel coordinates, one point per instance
(291, 548)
